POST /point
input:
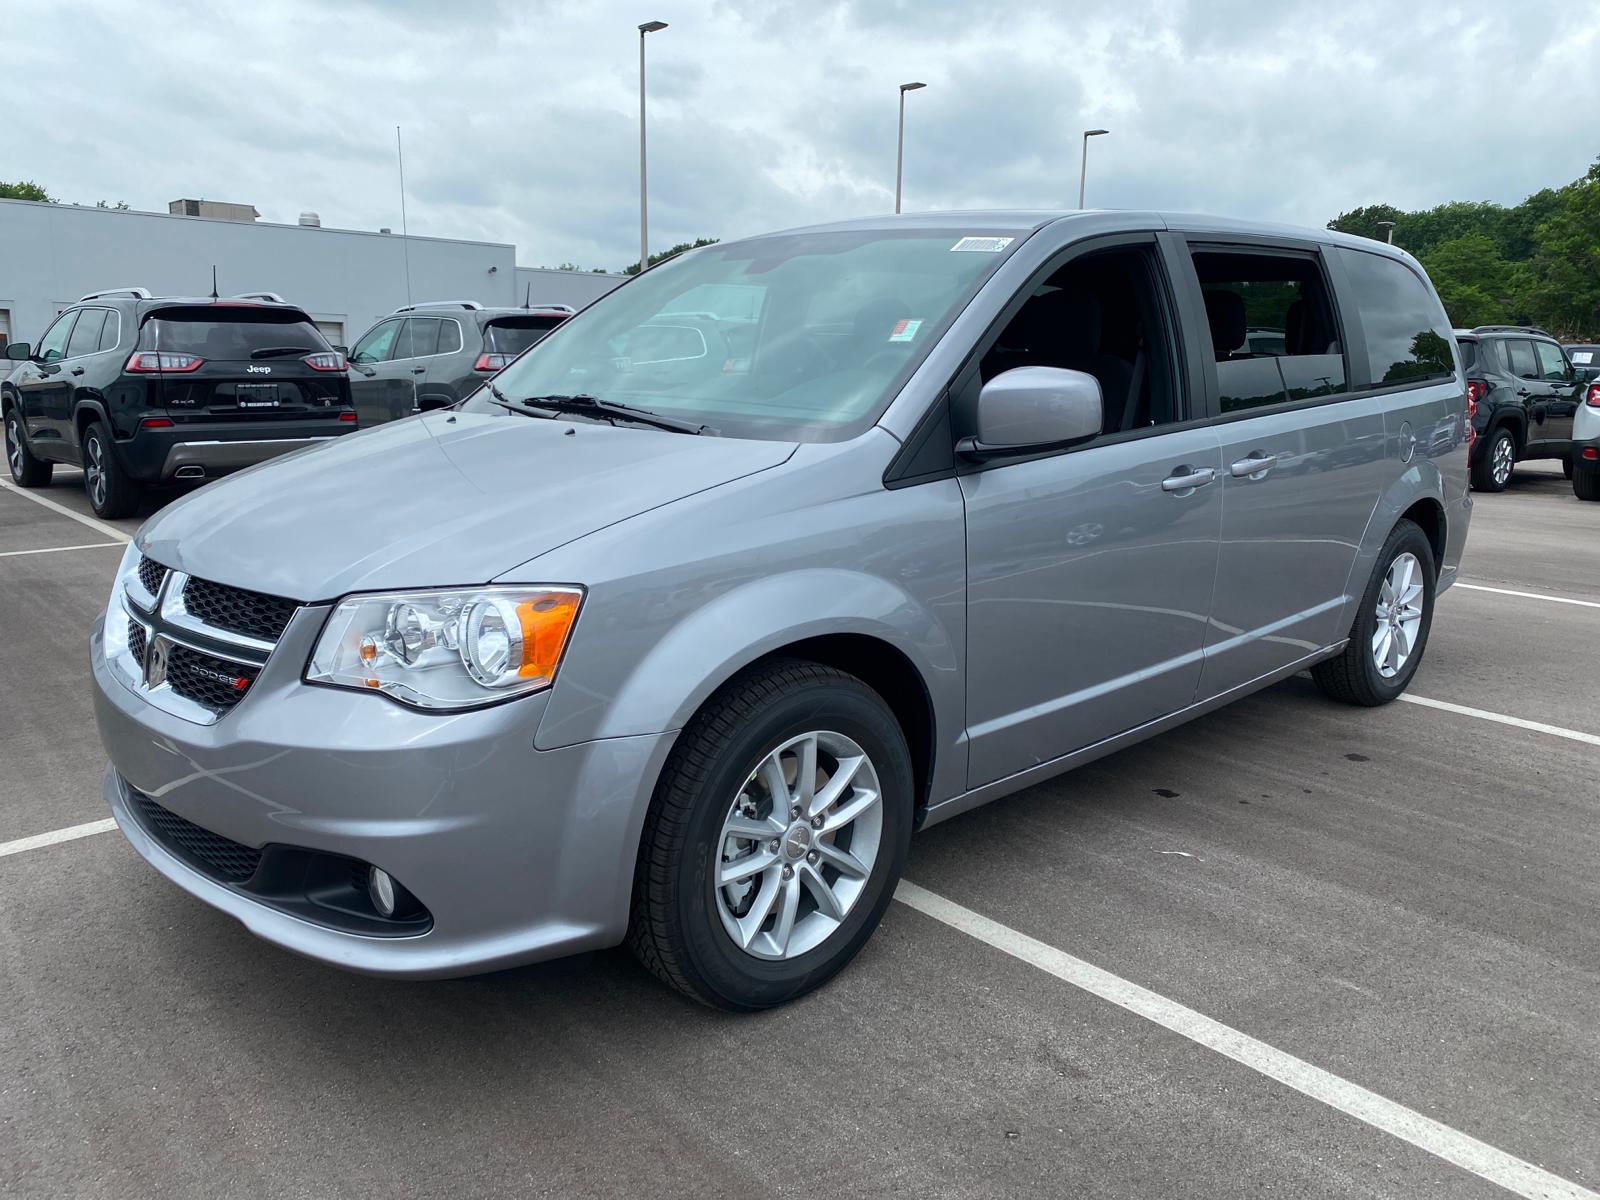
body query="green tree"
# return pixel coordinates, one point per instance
(27, 190)
(633, 268)
(1563, 291)
(1363, 222)
(1476, 283)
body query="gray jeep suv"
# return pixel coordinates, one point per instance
(676, 629)
(428, 356)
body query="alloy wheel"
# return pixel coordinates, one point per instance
(1504, 460)
(1399, 613)
(14, 447)
(798, 845)
(94, 470)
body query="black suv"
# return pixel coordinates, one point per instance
(141, 390)
(426, 356)
(1524, 392)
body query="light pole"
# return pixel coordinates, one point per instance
(1083, 166)
(644, 189)
(900, 144)
(1389, 225)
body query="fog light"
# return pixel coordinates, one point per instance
(381, 888)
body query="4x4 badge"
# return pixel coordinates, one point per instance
(155, 662)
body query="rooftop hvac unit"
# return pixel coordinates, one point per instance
(310, 220)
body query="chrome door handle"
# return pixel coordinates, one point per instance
(1253, 467)
(1188, 482)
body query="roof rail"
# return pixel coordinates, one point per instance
(566, 308)
(269, 297)
(469, 305)
(138, 293)
(1511, 329)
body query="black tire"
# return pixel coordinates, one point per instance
(1353, 676)
(112, 491)
(675, 927)
(1483, 479)
(1586, 482)
(26, 470)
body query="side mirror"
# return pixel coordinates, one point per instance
(1034, 408)
(19, 351)
(344, 350)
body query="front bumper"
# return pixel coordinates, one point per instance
(194, 450)
(518, 854)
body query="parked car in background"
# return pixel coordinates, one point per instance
(1586, 444)
(648, 641)
(428, 356)
(139, 389)
(1524, 392)
(1585, 360)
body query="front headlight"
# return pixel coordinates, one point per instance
(447, 649)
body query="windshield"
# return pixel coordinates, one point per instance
(801, 337)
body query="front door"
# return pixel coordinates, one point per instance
(44, 392)
(380, 386)
(1089, 572)
(1561, 406)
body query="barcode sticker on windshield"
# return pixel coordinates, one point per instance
(904, 331)
(983, 245)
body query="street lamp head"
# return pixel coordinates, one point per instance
(911, 87)
(651, 27)
(1094, 132)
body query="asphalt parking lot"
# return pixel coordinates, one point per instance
(1402, 901)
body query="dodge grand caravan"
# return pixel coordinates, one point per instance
(674, 631)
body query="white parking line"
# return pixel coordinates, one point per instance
(58, 549)
(71, 833)
(93, 523)
(1465, 1151)
(1479, 587)
(1575, 735)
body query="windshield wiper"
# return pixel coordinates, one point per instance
(275, 351)
(593, 406)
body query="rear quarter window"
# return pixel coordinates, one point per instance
(1405, 332)
(1469, 354)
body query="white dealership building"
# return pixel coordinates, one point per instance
(51, 254)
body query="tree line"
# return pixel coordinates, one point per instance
(1533, 263)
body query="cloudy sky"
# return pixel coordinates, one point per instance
(521, 118)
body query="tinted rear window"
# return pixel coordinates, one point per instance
(1406, 332)
(1469, 354)
(221, 334)
(513, 335)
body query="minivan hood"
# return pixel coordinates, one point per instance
(442, 499)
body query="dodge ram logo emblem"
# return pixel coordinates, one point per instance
(155, 662)
(255, 370)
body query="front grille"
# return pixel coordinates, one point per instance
(220, 858)
(136, 642)
(151, 573)
(237, 610)
(213, 683)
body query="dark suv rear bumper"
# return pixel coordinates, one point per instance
(205, 451)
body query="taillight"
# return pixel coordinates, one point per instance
(1592, 397)
(347, 416)
(145, 362)
(155, 423)
(1475, 392)
(326, 360)
(491, 362)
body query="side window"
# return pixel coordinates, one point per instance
(53, 345)
(1469, 354)
(1552, 363)
(1406, 331)
(376, 344)
(1099, 314)
(1519, 358)
(112, 333)
(1272, 325)
(85, 337)
(420, 337)
(449, 337)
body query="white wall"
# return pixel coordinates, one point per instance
(50, 254)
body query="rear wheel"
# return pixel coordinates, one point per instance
(1586, 481)
(1493, 469)
(777, 833)
(1391, 627)
(1566, 467)
(26, 470)
(112, 492)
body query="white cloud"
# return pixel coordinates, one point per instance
(521, 118)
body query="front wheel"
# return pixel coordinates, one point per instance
(777, 833)
(26, 470)
(1391, 627)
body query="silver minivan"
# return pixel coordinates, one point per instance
(674, 632)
